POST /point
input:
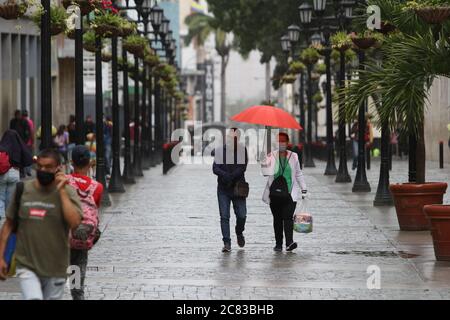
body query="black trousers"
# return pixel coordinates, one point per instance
(283, 220)
(79, 258)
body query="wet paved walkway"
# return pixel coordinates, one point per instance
(162, 240)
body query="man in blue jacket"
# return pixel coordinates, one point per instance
(230, 163)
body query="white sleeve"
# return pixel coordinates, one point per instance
(299, 174)
(268, 165)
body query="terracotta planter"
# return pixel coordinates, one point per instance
(434, 15)
(439, 217)
(363, 43)
(409, 200)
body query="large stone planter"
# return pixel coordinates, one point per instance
(410, 198)
(439, 217)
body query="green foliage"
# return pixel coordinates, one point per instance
(296, 67)
(341, 40)
(321, 68)
(317, 97)
(136, 40)
(58, 16)
(310, 56)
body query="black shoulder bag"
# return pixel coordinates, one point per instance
(279, 191)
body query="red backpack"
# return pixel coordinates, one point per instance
(90, 214)
(5, 164)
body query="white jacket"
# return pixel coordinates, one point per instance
(298, 180)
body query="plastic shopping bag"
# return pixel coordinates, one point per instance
(303, 221)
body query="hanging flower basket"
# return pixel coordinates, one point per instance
(71, 34)
(12, 10)
(86, 6)
(315, 76)
(56, 29)
(433, 15)
(106, 56)
(127, 29)
(151, 60)
(289, 79)
(135, 49)
(364, 43)
(107, 31)
(89, 47)
(387, 27)
(310, 56)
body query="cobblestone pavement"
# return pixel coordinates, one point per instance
(162, 240)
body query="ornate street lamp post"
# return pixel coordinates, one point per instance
(46, 80)
(305, 11)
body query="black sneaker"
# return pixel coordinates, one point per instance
(292, 246)
(226, 247)
(241, 240)
(278, 248)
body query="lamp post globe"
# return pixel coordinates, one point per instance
(293, 33)
(285, 44)
(305, 11)
(156, 16)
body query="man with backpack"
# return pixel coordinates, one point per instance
(282, 190)
(230, 164)
(85, 236)
(14, 156)
(43, 212)
(21, 126)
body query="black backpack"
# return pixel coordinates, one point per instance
(279, 191)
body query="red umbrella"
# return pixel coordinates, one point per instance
(268, 116)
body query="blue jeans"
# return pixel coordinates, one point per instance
(240, 210)
(7, 186)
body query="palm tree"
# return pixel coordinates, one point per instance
(201, 26)
(412, 59)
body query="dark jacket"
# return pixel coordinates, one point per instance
(19, 154)
(230, 166)
(22, 127)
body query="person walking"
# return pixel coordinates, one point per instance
(107, 141)
(47, 209)
(89, 125)
(14, 156)
(86, 235)
(285, 180)
(354, 134)
(62, 141)
(230, 164)
(21, 126)
(30, 142)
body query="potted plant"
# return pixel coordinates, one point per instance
(86, 6)
(341, 41)
(289, 78)
(58, 17)
(151, 60)
(430, 11)
(321, 68)
(310, 56)
(296, 67)
(364, 41)
(127, 28)
(13, 9)
(89, 41)
(107, 24)
(135, 44)
(439, 217)
(106, 56)
(411, 61)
